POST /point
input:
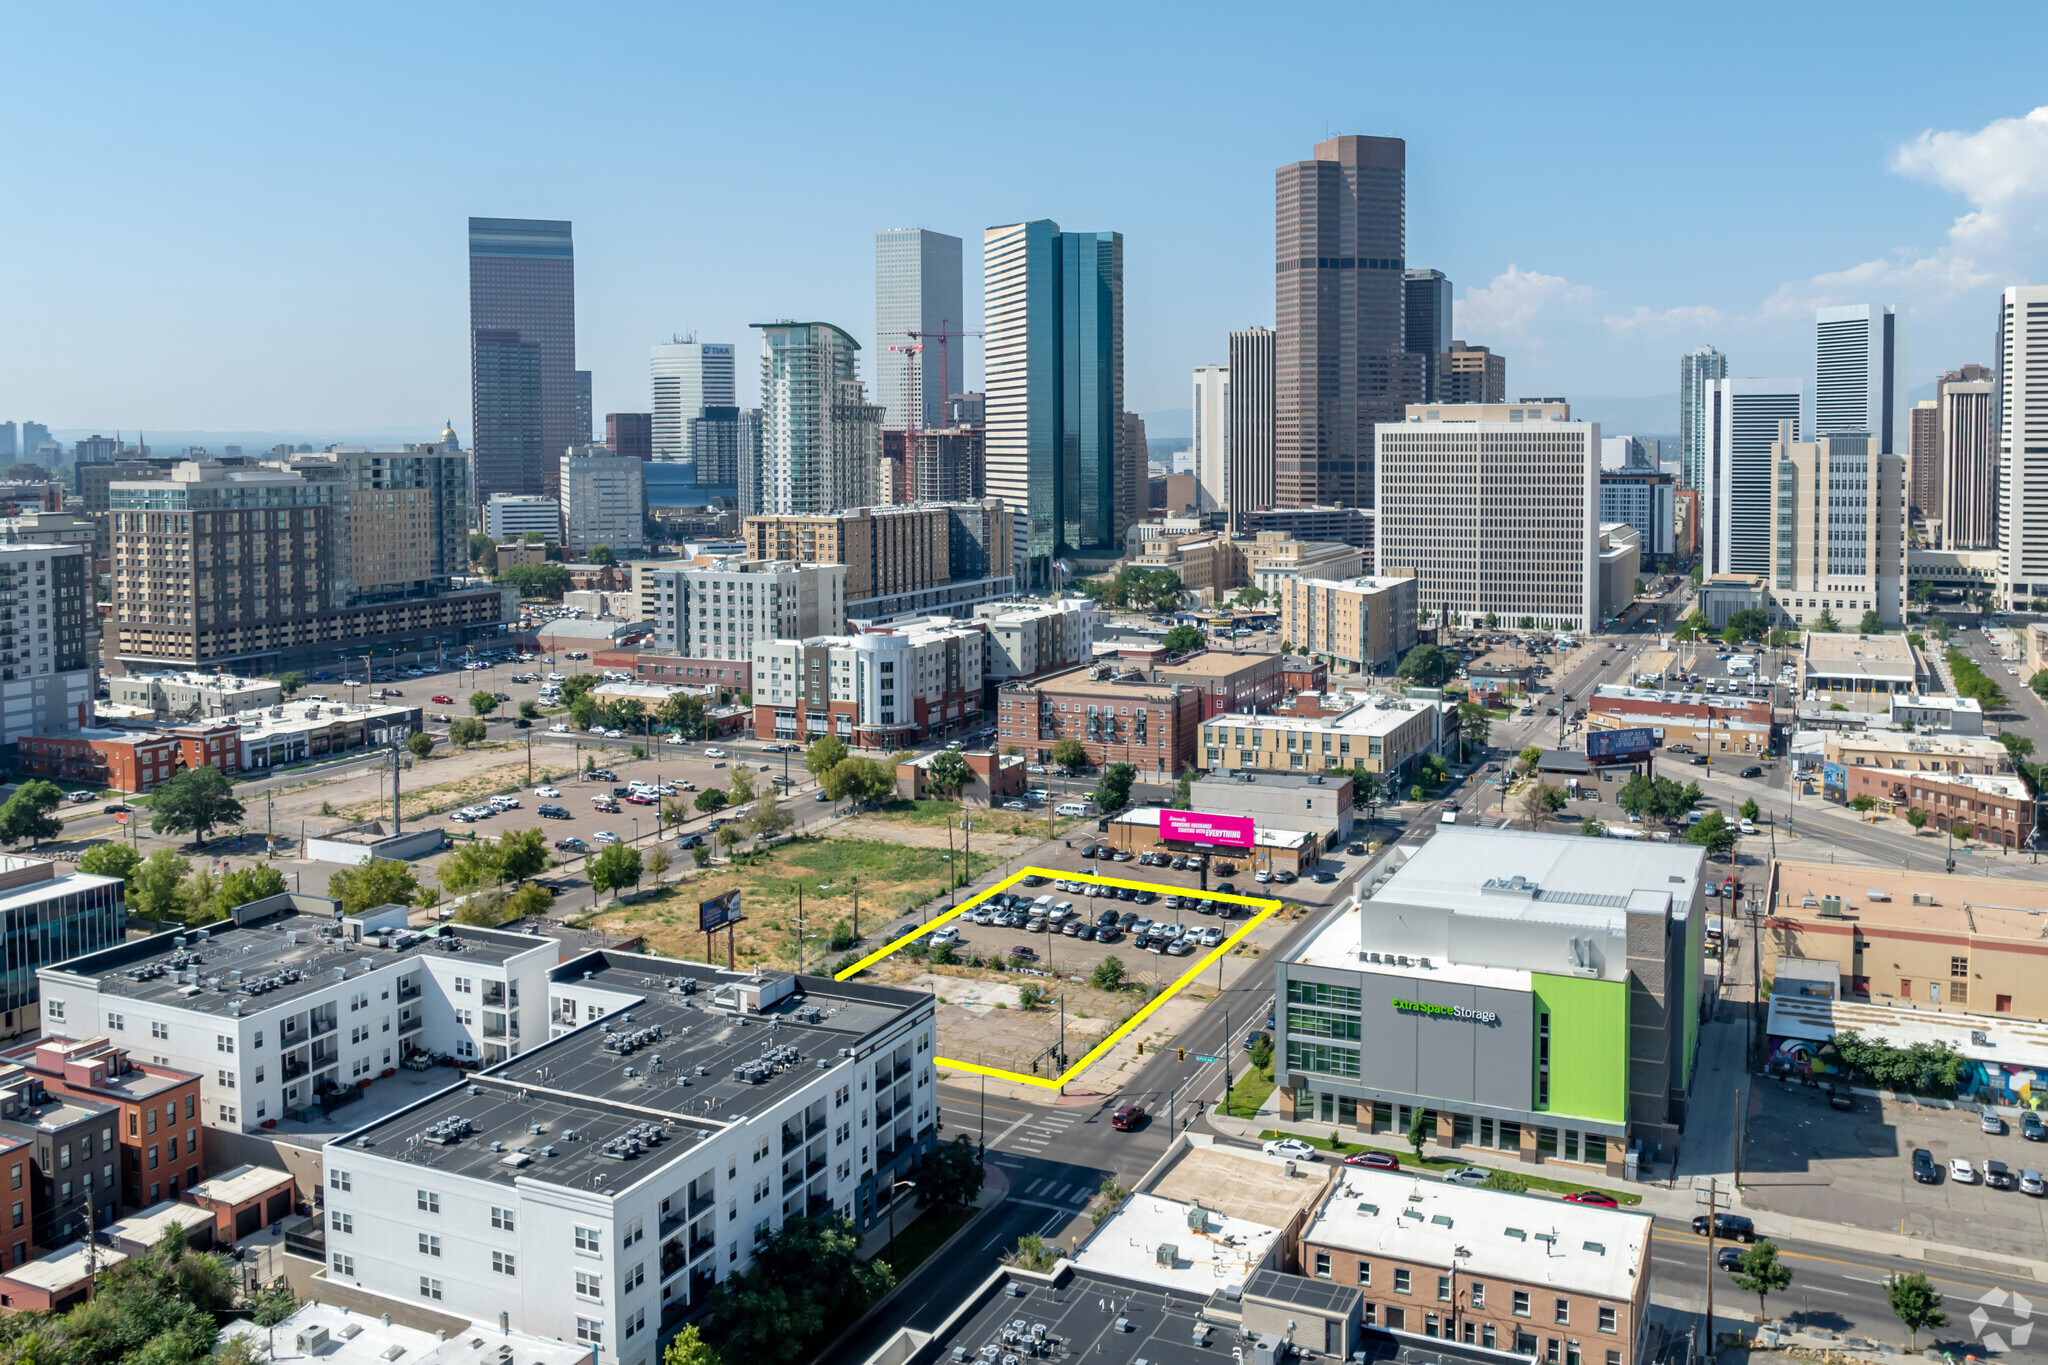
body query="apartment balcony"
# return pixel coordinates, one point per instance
(324, 1025)
(673, 1258)
(409, 989)
(411, 1023)
(814, 1165)
(792, 1138)
(902, 1070)
(815, 1127)
(324, 1057)
(883, 1076)
(293, 1068)
(494, 1026)
(817, 1206)
(494, 994)
(701, 1203)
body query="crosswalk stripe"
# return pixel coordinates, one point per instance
(1036, 1185)
(1062, 1195)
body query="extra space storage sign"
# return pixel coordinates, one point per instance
(1193, 827)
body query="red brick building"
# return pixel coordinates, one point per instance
(125, 760)
(1152, 725)
(729, 676)
(1299, 674)
(1230, 683)
(162, 1153)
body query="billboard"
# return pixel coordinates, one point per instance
(719, 911)
(1193, 827)
(1620, 746)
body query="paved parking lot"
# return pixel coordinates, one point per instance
(1802, 1158)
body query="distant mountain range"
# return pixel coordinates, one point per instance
(1651, 415)
(258, 442)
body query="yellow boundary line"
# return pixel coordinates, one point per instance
(1269, 908)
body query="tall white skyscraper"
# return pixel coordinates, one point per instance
(821, 440)
(1212, 434)
(1696, 370)
(1739, 424)
(917, 289)
(689, 376)
(1855, 374)
(2020, 415)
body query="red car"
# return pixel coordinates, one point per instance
(1379, 1161)
(1593, 1197)
(443, 701)
(639, 799)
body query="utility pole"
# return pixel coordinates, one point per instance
(1738, 1137)
(1713, 1204)
(1228, 1058)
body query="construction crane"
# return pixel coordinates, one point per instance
(944, 335)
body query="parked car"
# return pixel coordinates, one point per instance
(2032, 1128)
(1468, 1175)
(553, 812)
(549, 792)
(442, 699)
(1924, 1169)
(946, 935)
(1732, 1227)
(81, 797)
(1377, 1160)
(1988, 1122)
(1998, 1176)
(1595, 1198)
(1751, 771)
(572, 845)
(1293, 1148)
(1961, 1171)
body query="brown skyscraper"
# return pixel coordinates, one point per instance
(1339, 364)
(1923, 477)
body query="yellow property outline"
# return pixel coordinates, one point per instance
(1270, 907)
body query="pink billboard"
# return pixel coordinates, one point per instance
(1223, 831)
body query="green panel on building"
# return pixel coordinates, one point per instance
(1588, 1045)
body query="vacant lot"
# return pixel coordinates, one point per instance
(471, 787)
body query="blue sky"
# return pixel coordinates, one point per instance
(253, 217)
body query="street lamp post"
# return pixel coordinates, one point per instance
(899, 1185)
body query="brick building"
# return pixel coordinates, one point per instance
(125, 760)
(1130, 718)
(883, 689)
(1229, 682)
(1299, 673)
(159, 1130)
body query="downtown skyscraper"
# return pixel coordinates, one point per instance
(524, 408)
(2020, 426)
(917, 289)
(1053, 313)
(1248, 486)
(1696, 369)
(1855, 374)
(688, 377)
(820, 438)
(1342, 364)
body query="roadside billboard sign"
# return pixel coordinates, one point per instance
(1197, 827)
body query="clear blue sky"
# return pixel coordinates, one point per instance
(254, 216)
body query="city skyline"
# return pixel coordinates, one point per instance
(1928, 206)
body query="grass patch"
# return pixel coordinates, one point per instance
(914, 1245)
(931, 814)
(1441, 1163)
(1248, 1092)
(505, 779)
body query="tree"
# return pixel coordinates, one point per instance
(616, 869)
(602, 555)
(1915, 817)
(1069, 753)
(1963, 830)
(1365, 786)
(111, 860)
(1750, 623)
(1826, 624)
(242, 885)
(2019, 746)
(1761, 1272)
(273, 1306)
(860, 780)
(768, 818)
(1712, 833)
(584, 712)
(1183, 639)
(709, 800)
(689, 1348)
(578, 685)
(193, 802)
(1113, 789)
(420, 744)
(1473, 723)
(1592, 828)
(1033, 1254)
(483, 703)
(1509, 1182)
(657, 862)
(825, 754)
(1253, 596)
(1108, 974)
(483, 549)
(1862, 803)
(807, 1281)
(545, 582)
(1870, 624)
(380, 881)
(156, 890)
(1428, 666)
(1418, 1132)
(289, 683)
(948, 773)
(529, 710)
(465, 732)
(1730, 635)
(682, 712)
(740, 783)
(31, 812)
(1750, 810)
(951, 1175)
(1184, 790)
(1915, 1303)
(522, 853)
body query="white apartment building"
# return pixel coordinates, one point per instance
(604, 500)
(1212, 434)
(881, 689)
(2020, 419)
(286, 1001)
(508, 516)
(599, 1186)
(1495, 507)
(688, 376)
(1029, 638)
(723, 609)
(1739, 423)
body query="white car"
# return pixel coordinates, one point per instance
(1746, 825)
(558, 728)
(548, 792)
(675, 739)
(1292, 1148)
(714, 753)
(504, 803)
(615, 734)
(557, 677)
(1961, 1171)
(946, 935)
(604, 836)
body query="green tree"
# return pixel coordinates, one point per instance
(156, 890)
(1761, 1273)
(1418, 1132)
(1915, 1303)
(682, 712)
(689, 1348)
(768, 817)
(860, 780)
(1108, 974)
(1750, 810)
(602, 555)
(1963, 830)
(273, 1306)
(578, 685)
(1730, 635)
(1870, 624)
(1184, 790)
(529, 710)
(193, 802)
(709, 800)
(421, 744)
(465, 732)
(1069, 753)
(242, 885)
(1712, 833)
(657, 861)
(826, 753)
(948, 773)
(289, 683)
(1751, 623)
(584, 712)
(1826, 624)
(1253, 596)
(522, 853)
(380, 881)
(543, 582)
(1862, 803)
(1592, 828)
(483, 703)
(950, 1175)
(806, 1282)
(1428, 666)
(483, 549)
(2019, 746)
(1915, 817)
(111, 860)
(616, 869)
(1474, 724)
(1113, 788)
(1183, 639)
(740, 783)
(1033, 1254)
(31, 813)
(1509, 1182)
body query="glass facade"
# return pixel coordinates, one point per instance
(522, 279)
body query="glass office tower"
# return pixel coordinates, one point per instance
(522, 279)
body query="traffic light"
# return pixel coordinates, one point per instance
(1141, 1047)
(1181, 1053)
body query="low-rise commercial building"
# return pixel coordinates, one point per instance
(1363, 623)
(514, 554)
(1722, 595)
(1878, 761)
(58, 912)
(1320, 803)
(100, 757)
(1118, 716)
(1997, 809)
(1026, 639)
(1229, 682)
(1709, 724)
(1272, 557)
(1538, 994)
(1383, 735)
(882, 689)
(1274, 848)
(1939, 714)
(1862, 672)
(193, 696)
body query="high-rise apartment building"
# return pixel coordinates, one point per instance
(93, 449)
(919, 558)
(1738, 424)
(1341, 364)
(403, 523)
(1212, 434)
(46, 659)
(1248, 483)
(10, 439)
(1923, 458)
(917, 289)
(1855, 380)
(1133, 474)
(1641, 495)
(1054, 326)
(1426, 325)
(1838, 509)
(1696, 370)
(1495, 508)
(948, 464)
(821, 440)
(630, 434)
(713, 442)
(720, 610)
(1967, 464)
(1360, 622)
(604, 500)
(34, 436)
(522, 292)
(689, 376)
(1470, 374)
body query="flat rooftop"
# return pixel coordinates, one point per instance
(1525, 1238)
(1370, 716)
(240, 1185)
(299, 716)
(148, 1226)
(362, 1338)
(281, 957)
(1154, 1240)
(1076, 680)
(1214, 664)
(1853, 656)
(1262, 836)
(1908, 742)
(1242, 1184)
(1564, 878)
(1664, 697)
(1989, 1038)
(60, 1270)
(1913, 902)
(1291, 781)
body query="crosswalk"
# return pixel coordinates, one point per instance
(1036, 1134)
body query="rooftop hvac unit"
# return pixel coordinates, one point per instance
(1830, 907)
